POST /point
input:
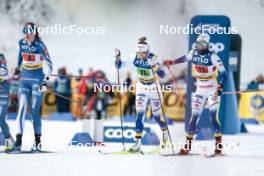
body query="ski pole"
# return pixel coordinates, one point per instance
(71, 76)
(240, 92)
(120, 110)
(64, 97)
(176, 85)
(162, 110)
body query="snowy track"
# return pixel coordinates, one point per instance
(246, 160)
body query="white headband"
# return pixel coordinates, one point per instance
(203, 37)
(142, 48)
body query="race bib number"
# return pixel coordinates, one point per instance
(201, 69)
(143, 72)
(28, 57)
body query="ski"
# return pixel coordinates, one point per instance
(155, 151)
(213, 155)
(121, 152)
(28, 152)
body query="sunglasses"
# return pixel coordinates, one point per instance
(202, 43)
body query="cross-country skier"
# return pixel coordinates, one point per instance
(4, 99)
(210, 73)
(33, 81)
(143, 63)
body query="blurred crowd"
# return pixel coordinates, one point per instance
(257, 83)
(76, 94)
(86, 101)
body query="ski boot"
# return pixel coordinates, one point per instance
(37, 144)
(187, 146)
(136, 147)
(8, 144)
(218, 145)
(18, 143)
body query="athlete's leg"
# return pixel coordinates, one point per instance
(198, 103)
(35, 110)
(141, 105)
(3, 109)
(24, 98)
(156, 100)
(4, 100)
(214, 102)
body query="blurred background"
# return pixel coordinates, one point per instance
(122, 23)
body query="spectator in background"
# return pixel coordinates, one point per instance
(79, 92)
(254, 84)
(260, 79)
(130, 105)
(90, 95)
(62, 86)
(96, 101)
(100, 105)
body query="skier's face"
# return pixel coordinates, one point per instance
(201, 45)
(142, 55)
(30, 37)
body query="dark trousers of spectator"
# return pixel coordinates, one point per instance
(99, 115)
(62, 104)
(130, 107)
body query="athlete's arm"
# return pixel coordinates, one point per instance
(222, 74)
(20, 58)
(157, 67)
(45, 54)
(3, 67)
(122, 63)
(179, 60)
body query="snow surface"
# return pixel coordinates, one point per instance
(246, 159)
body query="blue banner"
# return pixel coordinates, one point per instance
(220, 44)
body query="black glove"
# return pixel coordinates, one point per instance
(43, 87)
(220, 89)
(16, 73)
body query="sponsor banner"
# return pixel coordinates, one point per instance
(114, 133)
(48, 104)
(251, 105)
(173, 107)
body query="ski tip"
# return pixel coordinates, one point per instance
(214, 155)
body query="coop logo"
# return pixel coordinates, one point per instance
(214, 47)
(117, 133)
(114, 133)
(257, 101)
